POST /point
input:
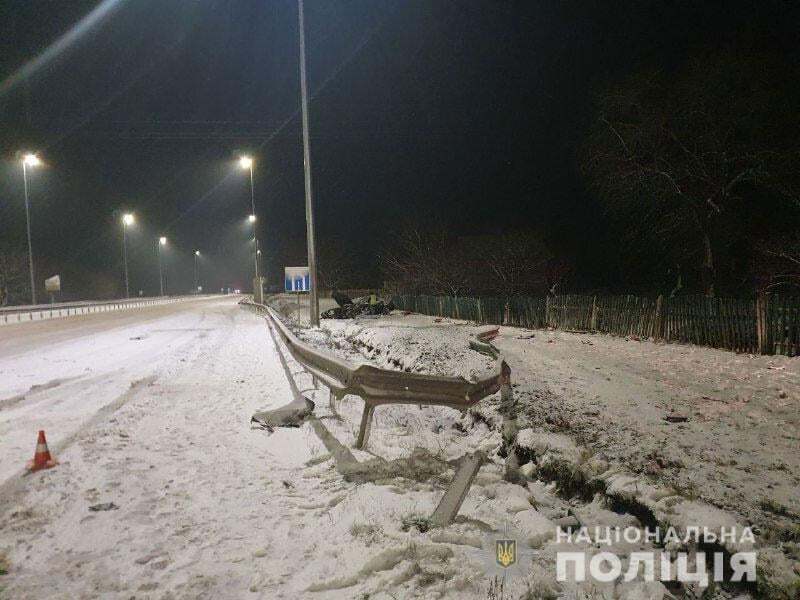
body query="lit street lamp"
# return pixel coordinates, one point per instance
(196, 272)
(246, 162)
(127, 221)
(162, 241)
(29, 160)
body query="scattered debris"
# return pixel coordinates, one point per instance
(488, 334)
(103, 506)
(676, 418)
(291, 415)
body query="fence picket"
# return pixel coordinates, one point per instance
(765, 325)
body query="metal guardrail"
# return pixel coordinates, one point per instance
(11, 315)
(379, 386)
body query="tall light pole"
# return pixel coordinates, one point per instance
(246, 162)
(162, 241)
(312, 256)
(196, 274)
(29, 160)
(127, 220)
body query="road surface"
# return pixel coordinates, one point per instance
(149, 410)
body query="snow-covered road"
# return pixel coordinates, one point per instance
(150, 412)
(59, 375)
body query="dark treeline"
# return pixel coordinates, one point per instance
(696, 170)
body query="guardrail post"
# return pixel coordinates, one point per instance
(508, 408)
(366, 422)
(453, 498)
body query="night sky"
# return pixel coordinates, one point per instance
(463, 113)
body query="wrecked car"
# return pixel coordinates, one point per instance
(350, 308)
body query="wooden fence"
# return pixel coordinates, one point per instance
(765, 325)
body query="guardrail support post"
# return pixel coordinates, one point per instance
(508, 408)
(366, 421)
(453, 498)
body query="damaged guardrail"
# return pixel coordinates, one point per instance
(377, 387)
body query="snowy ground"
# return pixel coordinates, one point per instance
(737, 448)
(711, 426)
(151, 412)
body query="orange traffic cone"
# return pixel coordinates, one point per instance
(42, 458)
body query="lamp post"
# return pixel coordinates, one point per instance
(29, 160)
(127, 220)
(162, 241)
(196, 271)
(246, 162)
(312, 256)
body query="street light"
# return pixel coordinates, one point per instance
(29, 160)
(127, 221)
(196, 274)
(246, 163)
(162, 241)
(312, 254)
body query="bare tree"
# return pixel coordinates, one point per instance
(429, 261)
(14, 284)
(507, 264)
(336, 264)
(672, 153)
(516, 263)
(777, 264)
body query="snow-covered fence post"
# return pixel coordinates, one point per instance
(762, 336)
(658, 328)
(547, 311)
(508, 409)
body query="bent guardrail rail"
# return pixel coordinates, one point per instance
(379, 386)
(11, 315)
